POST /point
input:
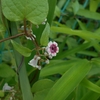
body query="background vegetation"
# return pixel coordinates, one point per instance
(74, 73)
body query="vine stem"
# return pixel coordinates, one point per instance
(12, 37)
(32, 37)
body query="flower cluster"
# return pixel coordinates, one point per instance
(50, 51)
(7, 88)
(35, 62)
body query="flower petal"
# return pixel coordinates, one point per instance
(34, 62)
(50, 43)
(55, 43)
(53, 54)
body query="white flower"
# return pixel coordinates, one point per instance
(32, 37)
(47, 61)
(34, 62)
(6, 87)
(44, 22)
(11, 98)
(52, 49)
(22, 28)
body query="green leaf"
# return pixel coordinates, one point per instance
(82, 26)
(45, 35)
(89, 14)
(96, 45)
(95, 70)
(90, 95)
(96, 61)
(2, 29)
(69, 81)
(57, 67)
(57, 11)
(42, 85)
(87, 35)
(6, 71)
(74, 50)
(21, 49)
(41, 94)
(32, 10)
(23, 78)
(90, 85)
(52, 4)
(1, 93)
(88, 53)
(93, 5)
(75, 6)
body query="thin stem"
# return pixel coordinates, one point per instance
(35, 41)
(19, 67)
(32, 38)
(25, 28)
(37, 47)
(12, 37)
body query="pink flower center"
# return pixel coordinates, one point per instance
(53, 48)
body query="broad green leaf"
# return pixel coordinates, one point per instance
(21, 49)
(90, 95)
(31, 10)
(69, 81)
(45, 35)
(90, 85)
(6, 71)
(42, 85)
(1, 93)
(57, 67)
(87, 35)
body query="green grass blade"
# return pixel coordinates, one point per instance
(52, 5)
(87, 35)
(58, 67)
(24, 82)
(90, 86)
(91, 95)
(67, 83)
(74, 50)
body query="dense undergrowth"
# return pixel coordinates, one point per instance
(49, 49)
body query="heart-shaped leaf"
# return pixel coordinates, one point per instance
(32, 10)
